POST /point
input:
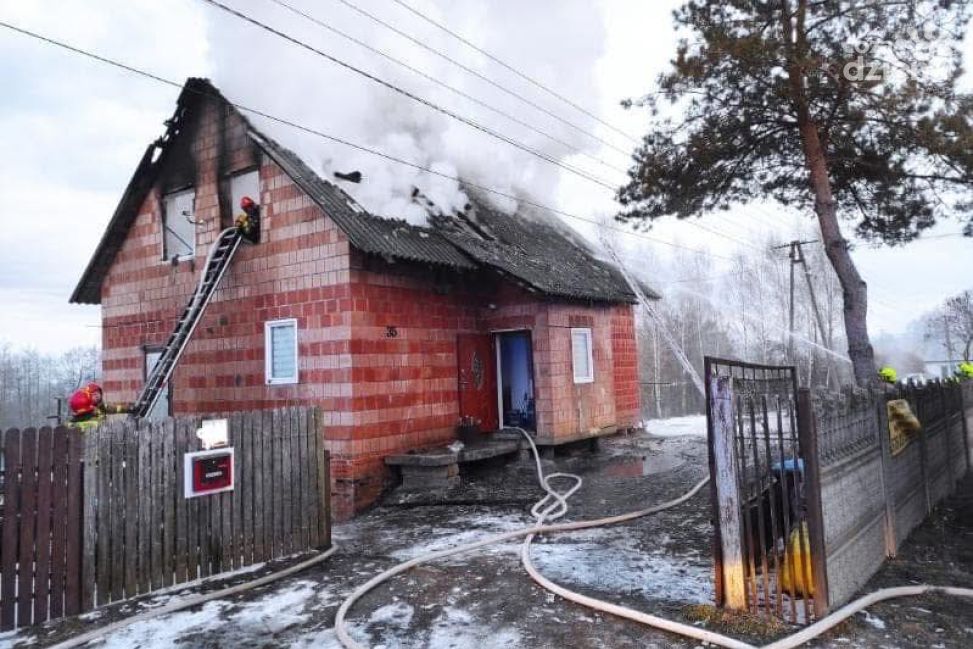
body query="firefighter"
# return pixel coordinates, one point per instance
(965, 371)
(888, 375)
(88, 407)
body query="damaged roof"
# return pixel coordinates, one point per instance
(386, 237)
(540, 253)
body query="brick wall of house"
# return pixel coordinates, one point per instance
(299, 270)
(404, 393)
(379, 393)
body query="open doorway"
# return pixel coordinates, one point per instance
(515, 385)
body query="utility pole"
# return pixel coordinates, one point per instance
(796, 256)
(790, 339)
(810, 290)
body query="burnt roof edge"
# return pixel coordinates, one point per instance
(88, 288)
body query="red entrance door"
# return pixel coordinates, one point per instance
(477, 379)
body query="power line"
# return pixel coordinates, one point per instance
(479, 75)
(711, 278)
(506, 66)
(405, 93)
(442, 84)
(348, 143)
(720, 233)
(945, 235)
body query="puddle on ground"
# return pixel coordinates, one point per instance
(639, 465)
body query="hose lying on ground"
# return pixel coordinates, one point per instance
(99, 633)
(554, 505)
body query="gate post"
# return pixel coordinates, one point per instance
(730, 578)
(885, 443)
(808, 440)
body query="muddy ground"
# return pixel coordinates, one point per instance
(660, 564)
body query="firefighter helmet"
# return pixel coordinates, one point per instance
(81, 402)
(965, 370)
(888, 374)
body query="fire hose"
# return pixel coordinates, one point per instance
(552, 506)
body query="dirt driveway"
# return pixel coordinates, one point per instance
(485, 600)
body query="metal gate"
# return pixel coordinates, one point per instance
(766, 504)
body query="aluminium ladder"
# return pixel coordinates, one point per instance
(220, 255)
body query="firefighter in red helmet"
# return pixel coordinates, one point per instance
(88, 407)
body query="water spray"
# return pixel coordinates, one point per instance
(650, 309)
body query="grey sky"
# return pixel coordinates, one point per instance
(73, 131)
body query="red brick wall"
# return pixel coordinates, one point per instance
(626, 367)
(578, 410)
(404, 384)
(300, 269)
(405, 389)
(379, 394)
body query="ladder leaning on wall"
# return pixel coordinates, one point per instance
(217, 261)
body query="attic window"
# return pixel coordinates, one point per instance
(179, 225)
(244, 184)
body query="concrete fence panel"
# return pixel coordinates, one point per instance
(872, 498)
(853, 490)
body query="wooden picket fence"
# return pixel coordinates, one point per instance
(40, 539)
(130, 530)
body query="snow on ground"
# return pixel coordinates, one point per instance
(166, 630)
(7, 638)
(466, 529)
(274, 612)
(874, 620)
(456, 628)
(694, 425)
(609, 560)
(284, 609)
(390, 627)
(395, 614)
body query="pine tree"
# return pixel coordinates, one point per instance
(848, 108)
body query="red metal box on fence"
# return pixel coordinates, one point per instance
(208, 472)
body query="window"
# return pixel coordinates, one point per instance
(178, 225)
(161, 409)
(584, 366)
(280, 351)
(243, 184)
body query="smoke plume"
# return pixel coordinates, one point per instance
(555, 42)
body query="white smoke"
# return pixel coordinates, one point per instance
(557, 42)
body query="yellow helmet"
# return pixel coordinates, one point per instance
(888, 374)
(965, 370)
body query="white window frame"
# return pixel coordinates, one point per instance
(590, 377)
(165, 224)
(268, 352)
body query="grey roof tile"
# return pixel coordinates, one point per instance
(539, 251)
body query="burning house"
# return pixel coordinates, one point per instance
(397, 332)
